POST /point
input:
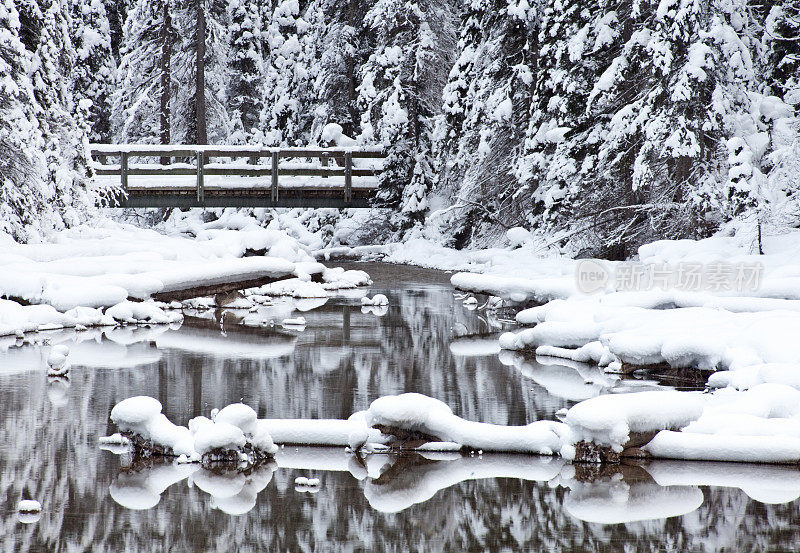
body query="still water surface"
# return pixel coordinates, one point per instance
(426, 342)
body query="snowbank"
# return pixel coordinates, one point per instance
(232, 435)
(609, 420)
(414, 417)
(87, 275)
(761, 424)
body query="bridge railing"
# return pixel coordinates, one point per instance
(201, 166)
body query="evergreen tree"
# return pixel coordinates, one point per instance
(484, 115)
(43, 165)
(664, 106)
(21, 193)
(117, 14)
(137, 102)
(574, 40)
(210, 121)
(335, 48)
(94, 73)
(397, 106)
(782, 39)
(286, 76)
(247, 70)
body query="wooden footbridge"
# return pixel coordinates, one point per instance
(193, 176)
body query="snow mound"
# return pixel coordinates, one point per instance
(417, 413)
(240, 415)
(57, 358)
(609, 420)
(218, 436)
(518, 236)
(141, 312)
(29, 506)
(235, 429)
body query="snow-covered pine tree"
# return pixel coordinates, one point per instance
(664, 107)
(334, 47)
(485, 112)
(286, 76)
(43, 165)
(574, 41)
(117, 14)
(21, 192)
(66, 141)
(201, 112)
(247, 68)
(782, 41)
(137, 102)
(398, 94)
(94, 71)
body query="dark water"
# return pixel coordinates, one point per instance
(427, 342)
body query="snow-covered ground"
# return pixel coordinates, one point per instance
(107, 273)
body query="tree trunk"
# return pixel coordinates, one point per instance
(165, 79)
(200, 100)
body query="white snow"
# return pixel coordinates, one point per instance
(231, 429)
(57, 358)
(619, 502)
(416, 412)
(29, 506)
(218, 435)
(328, 432)
(608, 420)
(295, 322)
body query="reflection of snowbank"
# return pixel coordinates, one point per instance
(394, 482)
(616, 501)
(413, 479)
(562, 378)
(231, 492)
(269, 345)
(142, 490)
(767, 484)
(472, 346)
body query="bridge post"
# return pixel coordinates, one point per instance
(200, 184)
(275, 176)
(348, 176)
(324, 159)
(123, 161)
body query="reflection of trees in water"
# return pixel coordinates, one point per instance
(51, 452)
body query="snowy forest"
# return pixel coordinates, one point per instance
(600, 125)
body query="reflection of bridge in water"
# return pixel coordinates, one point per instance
(293, 177)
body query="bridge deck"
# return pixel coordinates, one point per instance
(343, 177)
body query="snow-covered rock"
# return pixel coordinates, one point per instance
(426, 418)
(233, 433)
(609, 420)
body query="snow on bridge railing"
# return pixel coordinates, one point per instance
(319, 195)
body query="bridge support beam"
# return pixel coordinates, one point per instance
(201, 193)
(348, 177)
(274, 176)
